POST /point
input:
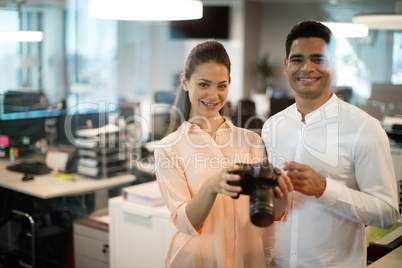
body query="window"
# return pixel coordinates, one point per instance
(397, 59)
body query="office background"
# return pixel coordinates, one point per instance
(92, 68)
(86, 60)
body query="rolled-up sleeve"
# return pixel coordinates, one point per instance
(173, 186)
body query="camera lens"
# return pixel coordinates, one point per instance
(262, 205)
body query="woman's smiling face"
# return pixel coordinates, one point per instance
(208, 90)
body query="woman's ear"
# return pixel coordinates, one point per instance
(183, 81)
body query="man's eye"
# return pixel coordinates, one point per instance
(320, 60)
(296, 59)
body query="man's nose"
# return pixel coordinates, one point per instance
(308, 65)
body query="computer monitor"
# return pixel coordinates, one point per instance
(160, 117)
(23, 133)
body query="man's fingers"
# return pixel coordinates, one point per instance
(291, 166)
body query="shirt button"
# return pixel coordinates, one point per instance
(294, 229)
(293, 253)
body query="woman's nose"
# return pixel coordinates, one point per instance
(213, 92)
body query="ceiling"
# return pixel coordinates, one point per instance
(12, 4)
(339, 10)
(345, 10)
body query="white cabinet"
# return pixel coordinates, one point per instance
(91, 244)
(139, 235)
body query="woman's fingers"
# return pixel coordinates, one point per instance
(229, 181)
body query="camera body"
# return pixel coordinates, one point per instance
(258, 181)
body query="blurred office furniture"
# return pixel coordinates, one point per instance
(91, 240)
(279, 104)
(45, 219)
(245, 116)
(35, 233)
(343, 93)
(134, 125)
(385, 245)
(385, 100)
(390, 260)
(160, 114)
(396, 153)
(164, 97)
(393, 127)
(139, 235)
(25, 118)
(15, 101)
(44, 237)
(68, 124)
(102, 151)
(144, 122)
(49, 186)
(389, 243)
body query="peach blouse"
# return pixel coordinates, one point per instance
(184, 160)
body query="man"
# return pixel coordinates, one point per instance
(337, 157)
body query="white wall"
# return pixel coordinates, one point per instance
(149, 60)
(277, 19)
(276, 22)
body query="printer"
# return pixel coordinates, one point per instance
(21, 100)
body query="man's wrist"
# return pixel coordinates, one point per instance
(321, 188)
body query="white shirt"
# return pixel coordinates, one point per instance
(351, 150)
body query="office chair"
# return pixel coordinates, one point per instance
(164, 97)
(245, 116)
(5, 209)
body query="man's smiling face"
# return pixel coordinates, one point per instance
(308, 67)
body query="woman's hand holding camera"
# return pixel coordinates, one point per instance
(219, 183)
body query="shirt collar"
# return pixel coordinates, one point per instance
(320, 113)
(187, 126)
(316, 114)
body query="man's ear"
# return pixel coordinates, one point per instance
(183, 81)
(285, 62)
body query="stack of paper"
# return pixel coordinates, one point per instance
(99, 153)
(145, 194)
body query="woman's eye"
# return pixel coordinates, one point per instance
(222, 87)
(202, 84)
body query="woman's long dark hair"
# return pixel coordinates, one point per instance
(208, 51)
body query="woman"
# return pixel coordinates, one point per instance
(192, 166)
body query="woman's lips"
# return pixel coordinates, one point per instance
(209, 105)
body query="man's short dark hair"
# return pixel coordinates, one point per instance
(306, 29)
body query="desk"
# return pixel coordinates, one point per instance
(49, 186)
(391, 260)
(46, 187)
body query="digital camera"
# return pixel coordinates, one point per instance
(258, 181)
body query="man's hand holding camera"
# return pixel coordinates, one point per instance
(304, 179)
(263, 183)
